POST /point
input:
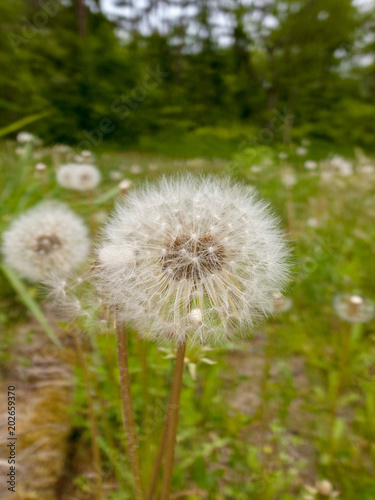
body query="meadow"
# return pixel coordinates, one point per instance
(288, 413)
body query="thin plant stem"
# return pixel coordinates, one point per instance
(128, 412)
(344, 360)
(173, 408)
(93, 422)
(158, 460)
(290, 209)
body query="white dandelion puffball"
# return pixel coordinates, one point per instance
(310, 164)
(301, 151)
(48, 238)
(354, 308)
(25, 137)
(196, 258)
(79, 177)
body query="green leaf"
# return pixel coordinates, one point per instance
(29, 302)
(21, 123)
(107, 196)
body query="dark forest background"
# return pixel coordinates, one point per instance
(162, 69)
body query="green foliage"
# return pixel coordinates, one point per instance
(102, 86)
(273, 414)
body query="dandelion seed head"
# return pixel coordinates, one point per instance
(25, 137)
(310, 164)
(40, 167)
(125, 184)
(289, 180)
(353, 308)
(301, 151)
(225, 264)
(79, 177)
(47, 238)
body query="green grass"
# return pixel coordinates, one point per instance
(276, 413)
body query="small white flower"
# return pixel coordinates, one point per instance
(48, 238)
(283, 155)
(79, 177)
(301, 151)
(310, 164)
(25, 137)
(256, 168)
(189, 244)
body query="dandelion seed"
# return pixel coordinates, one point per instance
(223, 265)
(281, 303)
(353, 308)
(79, 177)
(47, 238)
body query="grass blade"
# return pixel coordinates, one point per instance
(29, 302)
(21, 123)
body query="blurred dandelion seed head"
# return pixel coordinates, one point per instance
(125, 185)
(40, 167)
(322, 489)
(47, 238)
(25, 137)
(289, 179)
(192, 257)
(79, 177)
(353, 308)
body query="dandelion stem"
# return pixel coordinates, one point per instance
(344, 360)
(93, 422)
(158, 460)
(127, 406)
(173, 408)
